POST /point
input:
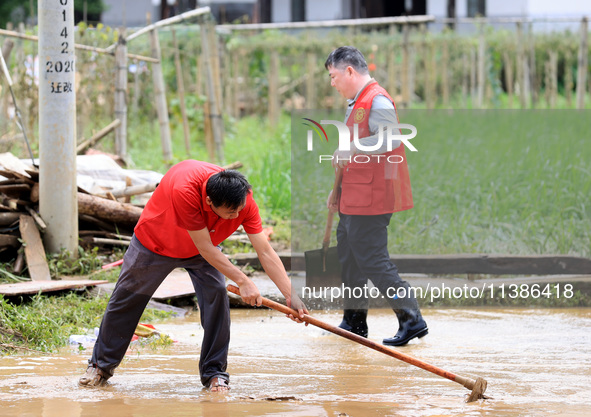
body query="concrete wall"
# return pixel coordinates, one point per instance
(281, 11)
(514, 8)
(565, 8)
(129, 13)
(323, 10)
(517, 8)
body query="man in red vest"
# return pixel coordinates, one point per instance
(196, 206)
(372, 189)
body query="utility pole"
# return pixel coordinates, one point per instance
(58, 203)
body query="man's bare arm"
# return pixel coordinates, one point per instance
(248, 290)
(276, 271)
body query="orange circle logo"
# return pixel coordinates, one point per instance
(359, 115)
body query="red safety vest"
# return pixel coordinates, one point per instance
(378, 186)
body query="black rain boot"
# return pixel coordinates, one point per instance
(354, 321)
(410, 325)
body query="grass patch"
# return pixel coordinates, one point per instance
(495, 181)
(45, 323)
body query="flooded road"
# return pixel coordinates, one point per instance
(536, 362)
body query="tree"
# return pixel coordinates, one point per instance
(17, 11)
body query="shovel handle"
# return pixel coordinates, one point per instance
(465, 381)
(333, 200)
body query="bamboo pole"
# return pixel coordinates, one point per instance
(465, 79)
(351, 23)
(568, 78)
(12, 34)
(553, 69)
(214, 50)
(98, 136)
(134, 190)
(181, 91)
(582, 65)
(208, 131)
(199, 75)
(215, 118)
(310, 81)
(6, 50)
(445, 74)
(160, 98)
(412, 68)
(392, 62)
(121, 95)
(508, 62)
(273, 109)
(533, 80)
(547, 82)
(430, 74)
(166, 22)
(228, 84)
(235, 87)
(135, 105)
(522, 69)
(422, 69)
(19, 53)
(481, 68)
(553, 78)
(473, 70)
(405, 66)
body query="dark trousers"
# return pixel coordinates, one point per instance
(141, 274)
(362, 245)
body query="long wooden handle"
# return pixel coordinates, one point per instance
(333, 200)
(465, 381)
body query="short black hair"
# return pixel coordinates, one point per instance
(344, 56)
(227, 188)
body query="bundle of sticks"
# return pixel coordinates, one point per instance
(102, 221)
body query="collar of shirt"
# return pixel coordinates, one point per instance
(351, 102)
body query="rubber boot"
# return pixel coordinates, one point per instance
(354, 321)
(410, 325)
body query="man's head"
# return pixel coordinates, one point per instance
(348, 70)
(226, 193)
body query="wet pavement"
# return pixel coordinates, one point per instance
(536, 362)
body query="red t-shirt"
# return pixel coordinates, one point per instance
(178, 205)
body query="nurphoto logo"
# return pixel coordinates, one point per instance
(389, 133)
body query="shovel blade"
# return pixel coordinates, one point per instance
(323, 271)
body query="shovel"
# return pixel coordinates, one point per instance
(322, 265)
(477, 386)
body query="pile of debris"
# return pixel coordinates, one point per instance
(106, 215)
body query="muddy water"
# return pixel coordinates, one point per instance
(536, 362)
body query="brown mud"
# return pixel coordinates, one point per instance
(536, 362)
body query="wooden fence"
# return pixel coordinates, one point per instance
(264, 69)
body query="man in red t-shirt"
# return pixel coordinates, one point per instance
(196, 206)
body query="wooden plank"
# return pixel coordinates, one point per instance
(34, 251)
(34, 287)
(10, 163)
(492, 264)
(459, 263)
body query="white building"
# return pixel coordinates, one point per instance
(133, 12)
